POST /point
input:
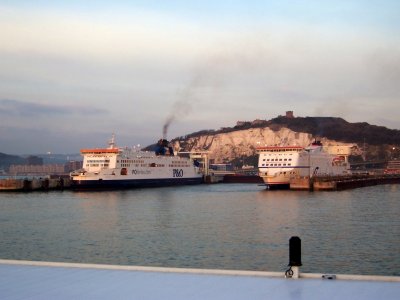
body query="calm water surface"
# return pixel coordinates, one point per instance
(225, 226)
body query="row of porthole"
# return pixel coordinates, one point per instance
(280, 159)
(275, 165)
(178, 166)
(96, 165)
(131, 161)
(284, 173)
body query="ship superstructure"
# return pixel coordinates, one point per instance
(277, 165)
(116, 167)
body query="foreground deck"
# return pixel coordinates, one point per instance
(41, 280)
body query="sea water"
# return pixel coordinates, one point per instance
(220, 226)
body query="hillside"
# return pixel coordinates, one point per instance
(238, 143)
(6, 160)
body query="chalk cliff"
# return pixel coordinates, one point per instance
(226, 146)
(234, 144)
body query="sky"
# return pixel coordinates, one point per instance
(72, 73)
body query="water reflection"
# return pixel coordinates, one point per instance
(229, 226)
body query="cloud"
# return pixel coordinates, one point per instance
(10, 107)
(127, 72)
(103, 36)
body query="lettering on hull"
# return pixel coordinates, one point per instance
(140, 172)
(177, 173)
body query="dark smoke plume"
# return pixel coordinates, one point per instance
(213, 72)
(183, 105)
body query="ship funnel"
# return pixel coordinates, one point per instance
(163, 147)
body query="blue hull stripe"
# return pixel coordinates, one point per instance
(134, 183)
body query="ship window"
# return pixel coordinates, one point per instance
(264, 159)
(289, 164)
(285, 159)
(280, 159)
(124, 171)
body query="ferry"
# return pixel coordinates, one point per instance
(393, 167)
(116, 167)
(277, 165)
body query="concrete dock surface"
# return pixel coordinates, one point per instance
(46, 280)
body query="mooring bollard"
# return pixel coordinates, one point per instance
(294, 258)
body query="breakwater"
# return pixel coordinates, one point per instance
(35, 184)
(321, 183)
(337, 183)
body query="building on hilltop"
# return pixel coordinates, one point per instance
(257, 122)
(241, 123)
(289, 114)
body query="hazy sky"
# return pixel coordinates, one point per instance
(74, 72)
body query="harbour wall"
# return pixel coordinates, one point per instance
(337, 183)
(34, 184)
(327, 183)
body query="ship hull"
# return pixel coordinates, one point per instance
(132, 183)
(277, 186)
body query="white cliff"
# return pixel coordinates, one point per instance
(227, 146)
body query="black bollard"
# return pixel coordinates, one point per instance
(295, 251)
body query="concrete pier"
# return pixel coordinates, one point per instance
(34, 184)
(336, 183)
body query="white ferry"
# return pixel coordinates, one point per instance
(277, 165)
(115, 167)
